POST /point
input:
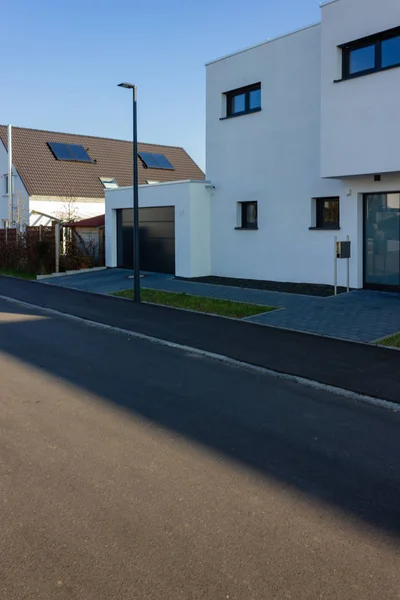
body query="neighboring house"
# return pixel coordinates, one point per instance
(301, 147)
(65, 175)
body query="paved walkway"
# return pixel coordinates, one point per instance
(362, 316)
(358, 367)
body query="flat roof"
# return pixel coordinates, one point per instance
(205, 182)
(268, 41)
(322, 4)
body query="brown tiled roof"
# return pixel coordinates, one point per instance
(43, 175)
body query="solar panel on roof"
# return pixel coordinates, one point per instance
(148, 159)
(152, 160)
(61, 151)
(163, 161)
(72, 152)
(79, 153)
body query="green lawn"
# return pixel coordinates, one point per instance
(224, 308)
(392, 340)
(15, 273)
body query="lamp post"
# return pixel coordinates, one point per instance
(136, 265)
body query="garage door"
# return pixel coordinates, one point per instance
(156, 238)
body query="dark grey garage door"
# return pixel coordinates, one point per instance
(156, 238)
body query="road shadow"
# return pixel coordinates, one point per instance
(329, 449)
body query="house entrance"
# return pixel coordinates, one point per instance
(382, 241)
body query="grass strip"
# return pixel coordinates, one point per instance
(15, 273)
(213, 306)
(392, 341)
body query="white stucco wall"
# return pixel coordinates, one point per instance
(21, 198)
(273, 157)
(191, 200)
(65, 208)
(360, 124)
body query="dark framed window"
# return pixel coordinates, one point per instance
(249, 215)
(373, 53)
(243, 100)
(327, 213)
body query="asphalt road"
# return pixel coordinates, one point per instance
(132, 471)
(360, 368)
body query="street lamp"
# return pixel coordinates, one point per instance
(136, 265)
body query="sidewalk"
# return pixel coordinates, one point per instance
(361, 316)
(360, 368)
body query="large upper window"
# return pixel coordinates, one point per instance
(371, 54)
(243, 101)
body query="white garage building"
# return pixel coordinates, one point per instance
(174, 227)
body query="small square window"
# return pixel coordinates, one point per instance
(248, 215)
(327, 213)
(243, 101)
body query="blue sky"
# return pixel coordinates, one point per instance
(64, 60)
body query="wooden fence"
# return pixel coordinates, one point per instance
(32, 250)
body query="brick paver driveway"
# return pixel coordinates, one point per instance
(362, 316)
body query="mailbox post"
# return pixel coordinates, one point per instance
(342, 250)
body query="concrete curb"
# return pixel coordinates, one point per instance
(65, 273)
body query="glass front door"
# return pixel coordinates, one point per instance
(382, 240)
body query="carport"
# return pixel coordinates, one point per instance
(174, 228)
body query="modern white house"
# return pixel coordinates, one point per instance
(301, 147)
